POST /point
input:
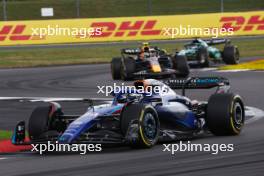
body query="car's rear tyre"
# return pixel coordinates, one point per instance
(231, 55)
(180, 64)
(116, 68)
(203, 57)
(165, 62)
(225, 114)
(140, 125)
(128, 68)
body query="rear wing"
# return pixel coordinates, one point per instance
(217, 41)
(130, 51)
(221, 83)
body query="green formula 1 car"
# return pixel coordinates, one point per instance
(202, 52)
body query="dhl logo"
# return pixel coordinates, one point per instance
(127, 28)
(255, 22)
(13, 33)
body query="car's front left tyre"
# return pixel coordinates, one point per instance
(38, 122)
(41, 122)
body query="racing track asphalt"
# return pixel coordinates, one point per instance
(80, 81)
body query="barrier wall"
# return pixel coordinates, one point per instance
(129, 28)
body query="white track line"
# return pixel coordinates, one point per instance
(3, 158)
(255, 112)
(204, 69)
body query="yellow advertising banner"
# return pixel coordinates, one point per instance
(131, 28)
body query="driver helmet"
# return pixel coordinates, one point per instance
(145, 47)
(196, 40)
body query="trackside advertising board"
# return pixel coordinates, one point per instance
(131, 28)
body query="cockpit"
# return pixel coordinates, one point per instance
(195, 43)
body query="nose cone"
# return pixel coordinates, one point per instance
(86, 121)
(72, 133)
(77, 127)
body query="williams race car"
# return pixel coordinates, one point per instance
(201, 52)
(147, 62)
(140, 119)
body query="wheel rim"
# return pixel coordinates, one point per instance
(238, 115)
(150, 126)
(112, 70)
(123, 74)
(236, 56)
(202, 59)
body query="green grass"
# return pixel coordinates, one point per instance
(5, 134)
(249, 48)
(30, 9)
(96, 54)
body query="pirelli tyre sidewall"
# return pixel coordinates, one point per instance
(230, 55)
(128, 68)
(203, 57)
(180, 64)
(40, 121)
(146, 119)
(116, 64)
(225, 114)
(148, 126)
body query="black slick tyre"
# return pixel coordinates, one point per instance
(230, 55)
(180, 64)
(128, 68)
(116, 68)
(38, 122)
(142, 120)
(225, 114)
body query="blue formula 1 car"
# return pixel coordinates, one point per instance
(141, 118)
